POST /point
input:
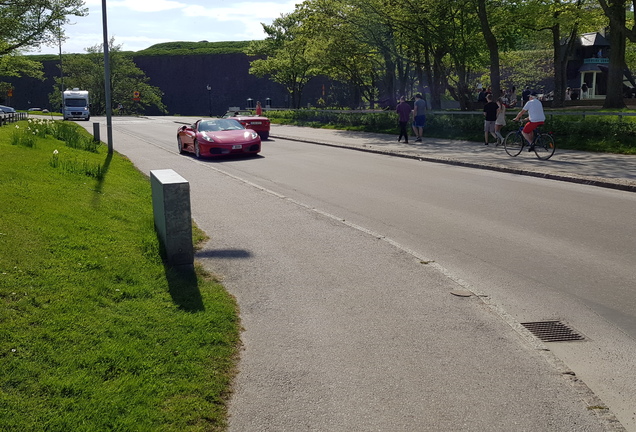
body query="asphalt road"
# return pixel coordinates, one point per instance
(342, 263)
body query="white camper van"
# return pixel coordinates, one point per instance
(75, 105)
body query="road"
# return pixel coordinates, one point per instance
(531, 249)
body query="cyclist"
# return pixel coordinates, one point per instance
(536, 117)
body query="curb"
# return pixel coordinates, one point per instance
(590, 181)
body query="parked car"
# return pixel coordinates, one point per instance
(217, 137)
(258, 123)
(34, 109)
(7, 109)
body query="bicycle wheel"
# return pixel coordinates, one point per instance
(544, 146)
(513, 144)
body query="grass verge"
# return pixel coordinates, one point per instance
(96, 333)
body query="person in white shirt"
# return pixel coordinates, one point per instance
(536, 116)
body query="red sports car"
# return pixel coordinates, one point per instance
(259, 123)
(217, 137)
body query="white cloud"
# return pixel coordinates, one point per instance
(138, 24)
(146, 5)
(253, 11)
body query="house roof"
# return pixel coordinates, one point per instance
(593, 39)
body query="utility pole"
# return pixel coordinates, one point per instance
(109, 113)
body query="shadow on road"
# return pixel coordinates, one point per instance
(224, 253)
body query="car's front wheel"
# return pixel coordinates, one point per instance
(197, 150)
(179, 145)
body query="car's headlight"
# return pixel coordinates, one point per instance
(206, 137)
(250, 134)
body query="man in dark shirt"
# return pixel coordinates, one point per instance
(490, 113)
(404, 115)
(525, 95)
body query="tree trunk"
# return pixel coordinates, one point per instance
(614, 98)
(562, 53)
(493, 49)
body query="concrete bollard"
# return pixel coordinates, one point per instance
(96, 132)
(173, 217)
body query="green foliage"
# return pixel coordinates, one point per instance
(27, 24)
(288, 56)
(23, 137)
(19, 65)
(192, 48)
(526, 67)
(595, 133)
(86, 72)
(592, 133)
(96, 333)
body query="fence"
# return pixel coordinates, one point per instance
(6, 118)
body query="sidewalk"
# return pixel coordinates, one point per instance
(599, 169)
(345, 330)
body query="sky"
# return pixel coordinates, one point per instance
(138, 24)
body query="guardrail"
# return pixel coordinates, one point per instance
(6, 118)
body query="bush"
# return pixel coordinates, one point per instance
(590, 133)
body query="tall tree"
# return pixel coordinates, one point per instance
(493, 47)
(345, 55)
(288, 56)
(616, 12)
(27, 24)
(86, 72)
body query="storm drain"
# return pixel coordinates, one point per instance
(552, 331)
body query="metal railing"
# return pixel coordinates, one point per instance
(6, 118)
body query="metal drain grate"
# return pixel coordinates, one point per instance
(552, 331)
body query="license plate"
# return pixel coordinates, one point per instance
(256, 123)
(236, 147)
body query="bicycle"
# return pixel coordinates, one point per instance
(543, 143)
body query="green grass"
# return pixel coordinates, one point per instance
(96, 334)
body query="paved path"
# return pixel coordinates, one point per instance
(607, 170)
(347, 331)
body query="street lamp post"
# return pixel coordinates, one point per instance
(210, 98)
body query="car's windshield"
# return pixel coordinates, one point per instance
(219, 125)
(75, 102)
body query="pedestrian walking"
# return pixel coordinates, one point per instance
(490, 114)
(404, 115)
(419, 117)
(501, 120)
(259, 108)
(512, 97)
